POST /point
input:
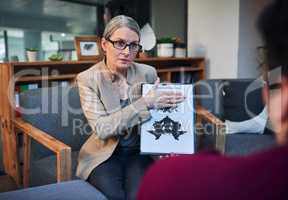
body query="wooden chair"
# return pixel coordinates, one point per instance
(50, 135)
(61, 150)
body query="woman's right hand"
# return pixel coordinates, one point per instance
(161, 99)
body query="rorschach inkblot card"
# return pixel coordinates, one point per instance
(170, 130)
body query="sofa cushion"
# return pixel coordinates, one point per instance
(70, 190)
(57, 111)
(242, 99)
(242, 143)
(238, 144)
(230, 99)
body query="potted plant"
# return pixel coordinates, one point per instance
(56, 57)
(165, 47)
(32, 54)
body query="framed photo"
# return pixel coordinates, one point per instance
(88, 47)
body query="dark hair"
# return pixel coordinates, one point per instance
(273, 27)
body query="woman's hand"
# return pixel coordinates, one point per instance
(161, 99)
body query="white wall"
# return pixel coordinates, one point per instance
(213, 27)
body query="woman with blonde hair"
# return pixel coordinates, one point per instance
(110, 94)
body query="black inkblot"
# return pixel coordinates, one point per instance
(166, 126)
(88, 46)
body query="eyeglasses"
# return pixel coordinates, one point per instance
(273, 78)
(274, 86)
(121, 45)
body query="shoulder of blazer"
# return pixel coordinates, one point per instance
(90, 75)
(148, 70)
(144, 68)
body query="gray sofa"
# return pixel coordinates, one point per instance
(61, 116)
(235, 100)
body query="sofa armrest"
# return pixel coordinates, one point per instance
(62, 151)
(219, 127)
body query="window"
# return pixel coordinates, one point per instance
(2, 46)
(53, 42)
(15, 39)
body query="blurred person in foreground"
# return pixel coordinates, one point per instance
(262, 175)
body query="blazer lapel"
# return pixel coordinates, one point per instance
(108, 93)
(134, 81)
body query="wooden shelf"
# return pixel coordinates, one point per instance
(50, 63)
(180, 69)
(72, 76)
(69, 69)
(169, 59)
(50, 78)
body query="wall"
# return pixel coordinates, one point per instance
(213, 28)
(168, 18)
(249, 38)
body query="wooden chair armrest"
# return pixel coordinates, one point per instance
(220, 127)
(208, 116)
(62, 151)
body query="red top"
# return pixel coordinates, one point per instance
(213, 176)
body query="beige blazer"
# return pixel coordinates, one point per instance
(100, 102)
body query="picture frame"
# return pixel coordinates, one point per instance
(88, 47)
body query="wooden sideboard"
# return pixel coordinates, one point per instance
(16, 73)
(167, 67)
